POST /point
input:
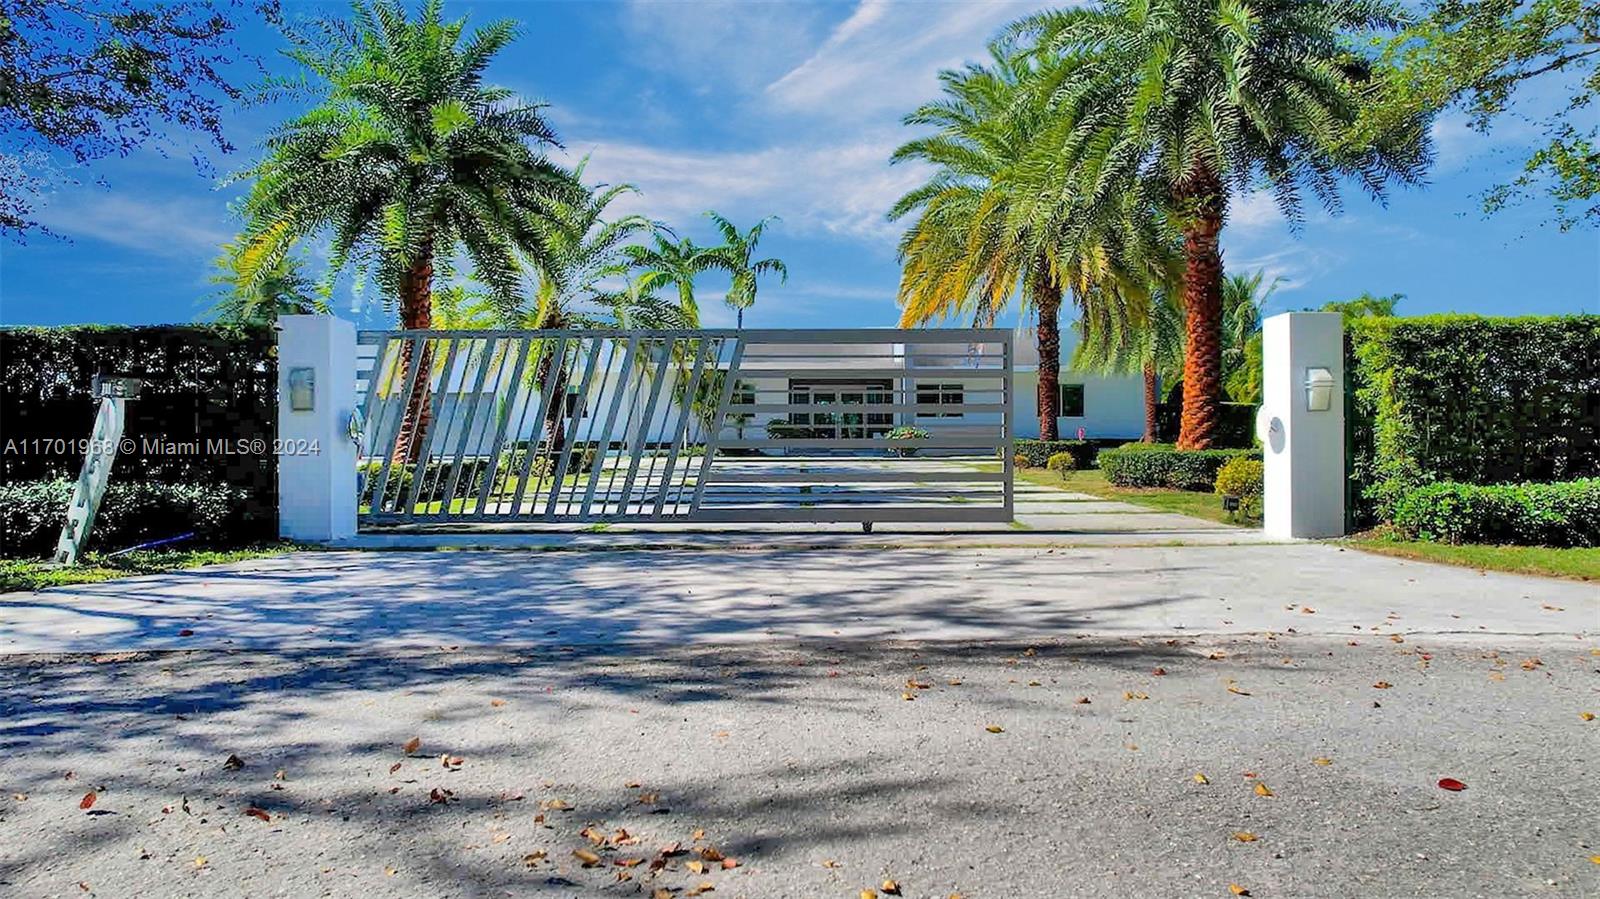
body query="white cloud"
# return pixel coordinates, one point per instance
(886, 56)
(842, 189)
(721, 44)
(172, 226)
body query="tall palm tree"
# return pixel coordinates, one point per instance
(1121, 338)
(677, 263)
(407, 158)
(1191, 101)
(736, 256)
(960, 257)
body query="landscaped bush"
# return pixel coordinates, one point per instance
(133, 512)
(1038, 452)
(1243, 479)
(1062, 463)
(1560, 514)
(1019, 461)
(1471, 399)
(907, 432)
(1164, 465)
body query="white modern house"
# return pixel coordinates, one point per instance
(610, 394)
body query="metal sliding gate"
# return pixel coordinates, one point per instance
(585, 426)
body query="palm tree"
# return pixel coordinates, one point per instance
(673, 262)
(1190, 101)
(407, 158)
(282, 289)
(960, 258)
(1243, 299)
(736, 256)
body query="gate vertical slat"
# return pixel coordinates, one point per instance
(611, 421)
(572, 429)
(560, 357)
(489, 345)
(381, 492)
(714, 432)
(505, 422)
(684, 414)
(646, 422)
(419, 474)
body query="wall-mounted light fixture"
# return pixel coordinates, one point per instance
(1319, 389)
(302, 389)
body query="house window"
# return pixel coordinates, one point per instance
(953, 395)
(839, 394)
(1071, 401)
(576, 407)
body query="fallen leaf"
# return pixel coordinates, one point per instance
(501, 837)
(1396, 638)
(907, 697)
(1133, 695)
(1451, 784)
(440, 797)
(1244, 836)
(696, 866)
(1083, 700)
(199, 861)
(394, 767)
(1530, 664)
(280, 774)
(1034, 683)
(1587, 716)
(593, 836)
(1262, 789)
(451, 761)
(710, 854)
(1238, 890)
(627, 862)
(1201, 778)
(728, 864)
(555, 805)
(1234, 689)
(702, 887)
(261, 813)
(1495, 675)
(497, 702)
(890, 887)
(1159, 672)
(661, 893)
(1307, 610)
(995, 729)
(390, 872)
(1382, 685)
(869, 894)
(954, 682)
(533, 858)
(233, 763)
(829, 863)
(919, 685)
(88, 800)
(1595, 859)
(1321, 761)
(411, 745)
(587, 857)
(20, 797)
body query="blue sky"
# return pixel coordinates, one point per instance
(788, 109)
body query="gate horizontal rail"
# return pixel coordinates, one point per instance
(713, 425)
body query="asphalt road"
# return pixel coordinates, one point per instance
(806, 765)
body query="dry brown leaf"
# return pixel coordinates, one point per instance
(907, 697)
(1244, 836)
(1396, 638)
(1587, 716)
(1530, 664)
(1034, 683)
(1262, 789)
(995, 729)
(200, 861)
(1159, 672)
(627, 862)
(1238, 890)
(555, 805)
(703, 887)
(1083, 700)
(632, 785)
(829, 863)
(260, 813)
(411, 745)
(919, 685)
(390, 872)
(535, 857)
(1234, 689)
(20, 797)
(869, 894)
(88, 799)
(1135, 695)
(955, 682)
(587, 857)
(233, 763)
(890, 887)
(593, 836)
(497, 702)
(1322, 761)
(696, 866)
(661, 893)
(728, 864)
(394, 767)
(710, 854)
(1201, 778)
(1382, 685)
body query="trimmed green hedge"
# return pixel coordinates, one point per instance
(133, 512)
(1038, 452)
(1164, 465)
(1470, 399)
(1563, 514)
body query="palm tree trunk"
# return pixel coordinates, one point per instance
(1047, 300)
(416, 313)
(554, 379)
(1152, 398)
(1202, 300)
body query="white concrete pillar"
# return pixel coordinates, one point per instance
(1301, 424)
(316, 457)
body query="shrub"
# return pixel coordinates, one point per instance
(907, 432)
(1241, 477)
(133, 512)
(1062, 463)
(1038, 452)
(1471, 399)
(1560, 514)
(1163, 465)
(1020, 461)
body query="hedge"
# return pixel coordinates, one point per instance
(133, 512)
(1038, 452)
(201, 384)
(1470, 399)
(1164, 465)
(1236, 424)
(1561, 514)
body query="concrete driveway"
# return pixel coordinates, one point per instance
(666, 598)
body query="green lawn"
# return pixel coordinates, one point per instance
(31, 574)
(1093, 482)
(1579, 563)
